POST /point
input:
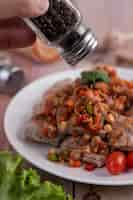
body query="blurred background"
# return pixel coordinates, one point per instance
(107, 15)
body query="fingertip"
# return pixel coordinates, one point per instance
(31, 8)
(44, 5)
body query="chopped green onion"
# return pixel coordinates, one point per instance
(89, 109)
(53, 157)
(65, 155)
(103, 120)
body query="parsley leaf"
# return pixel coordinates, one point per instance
(94, 76)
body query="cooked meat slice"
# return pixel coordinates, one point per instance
(77, 131)
(38, 109)
(50, 92)
(121, 136)
(97, 159)
(33, 133)
(70, 143)
(74, 143)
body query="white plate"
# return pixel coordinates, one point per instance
(19, 111)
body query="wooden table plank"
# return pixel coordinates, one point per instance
(106, 193)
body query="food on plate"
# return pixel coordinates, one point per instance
(122, 135)
(40, 52)
(86, 119)
(17, 183)
(33, 130)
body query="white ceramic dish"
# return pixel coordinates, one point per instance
(19, 111)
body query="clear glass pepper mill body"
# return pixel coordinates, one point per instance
(63, 27)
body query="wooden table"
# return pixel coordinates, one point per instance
(102, 16)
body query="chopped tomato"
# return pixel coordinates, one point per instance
(83, 118)
(82, 93)
(90, 166)
(130, 85)
(111, 71)
(90, 93)
(102, 86)
(116, 163)
(86, 93)
(45, 132)
(95, 125)
(74, 163)
(96, 92)
(118, 105)
(70, 103)
(130, 160)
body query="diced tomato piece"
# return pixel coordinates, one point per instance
(74, 163)
(96, 92)
(90, 166)
(70, 103)
(96, 124)
(111, 71)
(48, 107)
(82, 118)
(45, 131)
(82, 93)
(130, 85)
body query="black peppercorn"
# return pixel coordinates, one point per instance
(59, 18)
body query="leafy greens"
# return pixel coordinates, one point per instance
(17, 183)
(94, 76)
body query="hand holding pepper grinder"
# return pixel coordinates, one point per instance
(61, 25)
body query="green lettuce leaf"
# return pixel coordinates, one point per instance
(8, 167)
(17, 183)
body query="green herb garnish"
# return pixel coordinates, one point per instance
(103, 120)
(65, 154)
(53, 157)
(89, 109)
(94, 76)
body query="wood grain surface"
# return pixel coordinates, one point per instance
(102, 16)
